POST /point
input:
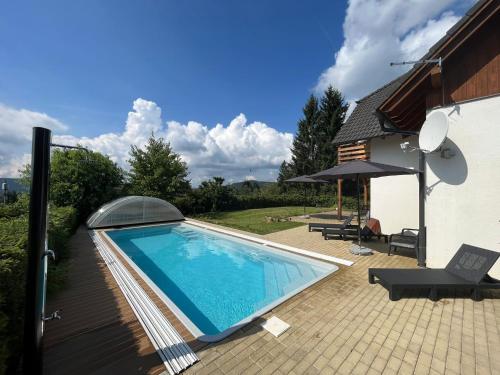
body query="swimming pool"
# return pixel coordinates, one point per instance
(213, 282)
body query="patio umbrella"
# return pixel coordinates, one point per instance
(364, 169)
(306, 180)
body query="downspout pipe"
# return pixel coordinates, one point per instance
(422, 229)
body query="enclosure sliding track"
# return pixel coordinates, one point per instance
(170, 346)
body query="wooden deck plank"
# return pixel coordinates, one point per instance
(99, 332)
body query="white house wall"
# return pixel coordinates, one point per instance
(394, 200)
(463, 204)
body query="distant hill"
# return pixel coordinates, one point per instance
(13, 184)
(240, 185)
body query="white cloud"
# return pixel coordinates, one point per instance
(231, 151)
(15, 136)
(142, 121)
(234, 151)
(378, 32)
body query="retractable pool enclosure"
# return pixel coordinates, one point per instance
(133, 210)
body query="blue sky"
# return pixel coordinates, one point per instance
(84, 62)
(223, 81)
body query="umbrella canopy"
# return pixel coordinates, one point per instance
(365, 169)
(361, 168)
(305, 179)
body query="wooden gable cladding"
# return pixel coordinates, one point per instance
(470, 69)
(350, 152)
(473, 71)
(353, 151)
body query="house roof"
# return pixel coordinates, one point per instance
(405, 107)
(362, 123)
(452, 30)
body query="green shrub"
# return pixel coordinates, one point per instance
(13, 240)
(15, 209)
(62, 224)
(3, 344)
(81, 179)
(13, 245)
(188, 204)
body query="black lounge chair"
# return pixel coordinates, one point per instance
(467, 270)
(350, 231)
(320, 226)
(342, 233)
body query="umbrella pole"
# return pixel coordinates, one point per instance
(359, 214)
(305, 198)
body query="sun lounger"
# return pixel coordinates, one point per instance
(349, 232)
(467, 270)
(342, 233)
(321, 226)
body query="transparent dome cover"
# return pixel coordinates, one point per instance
(133, 210)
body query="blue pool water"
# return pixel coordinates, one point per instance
(216, 280)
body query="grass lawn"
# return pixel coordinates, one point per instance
(255, 220)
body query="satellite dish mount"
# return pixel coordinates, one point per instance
(432, 136)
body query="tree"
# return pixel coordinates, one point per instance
(304, 150)
(286, 171)
(332, 111)
(249, 186)
(157, 171)
(83, 179)
(214, 194)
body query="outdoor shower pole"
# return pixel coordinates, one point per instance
(422, 230)
(36, 256)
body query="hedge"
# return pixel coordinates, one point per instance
(192, 204)
(13, 244)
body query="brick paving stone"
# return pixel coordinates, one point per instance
(379, 364)
(344, 325)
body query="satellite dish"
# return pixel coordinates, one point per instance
(433, 132)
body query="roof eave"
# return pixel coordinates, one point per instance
(434, 51)
(341, 143)
(383, 118)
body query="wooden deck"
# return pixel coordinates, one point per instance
(99, 332)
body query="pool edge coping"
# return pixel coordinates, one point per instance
(262, 241)
(195, 331)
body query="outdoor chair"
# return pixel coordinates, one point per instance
(407, 239)
(321, 226)
(466, 271)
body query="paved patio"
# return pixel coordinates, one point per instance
(344, 325)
